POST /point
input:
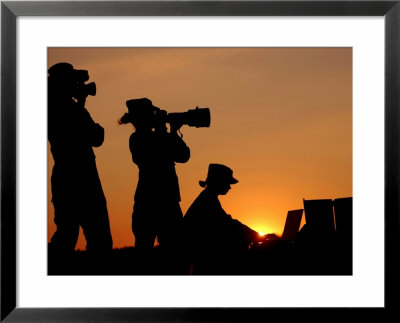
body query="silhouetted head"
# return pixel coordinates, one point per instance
(61, 71)
(141, 113)
(219, 179)
(67, 81)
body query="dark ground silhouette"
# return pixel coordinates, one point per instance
(308, 254)
(268, 258)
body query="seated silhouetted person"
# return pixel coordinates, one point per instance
(211, 233)
(155, 150)
(77, 193)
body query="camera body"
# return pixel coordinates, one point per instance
(82, 89)
(86, 89)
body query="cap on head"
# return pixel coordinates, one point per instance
(140, 107)
(61, 70)
(65, 71)
(218, 173)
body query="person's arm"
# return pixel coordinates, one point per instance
(180, 151)
(134, 149)
(96, 135)
(95, 132)
(245, 231)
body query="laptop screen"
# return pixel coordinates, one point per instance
(292, 224)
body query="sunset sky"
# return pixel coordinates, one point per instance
(281, 118)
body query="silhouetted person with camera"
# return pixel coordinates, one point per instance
(213, 238)
(77, 193)
(155, 150)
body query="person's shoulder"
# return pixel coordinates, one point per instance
(204, 200)
(202, 195)
(132, 137)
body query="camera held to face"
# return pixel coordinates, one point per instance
(65, 80)
(142, 111)
(199, 117)
(82, 89)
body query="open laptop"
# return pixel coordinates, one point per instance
(292, 225)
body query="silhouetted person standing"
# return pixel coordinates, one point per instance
(212, 236)
(156, 211)
(77, 193)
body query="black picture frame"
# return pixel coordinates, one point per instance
(11, 10)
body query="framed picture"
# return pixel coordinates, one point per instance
(330, 69)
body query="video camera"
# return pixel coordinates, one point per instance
(83, 89)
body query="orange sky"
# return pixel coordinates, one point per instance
(281, 118)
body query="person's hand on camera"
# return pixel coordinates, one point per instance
(160, 127)
(175, 126)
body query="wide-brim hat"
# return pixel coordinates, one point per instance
(140, 106)
(218, 173)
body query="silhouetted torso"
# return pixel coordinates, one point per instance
(157, 211)
(155, 154)
(209, 229)
(77, 193)
(72, 133)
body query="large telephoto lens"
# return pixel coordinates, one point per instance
(199, 117)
